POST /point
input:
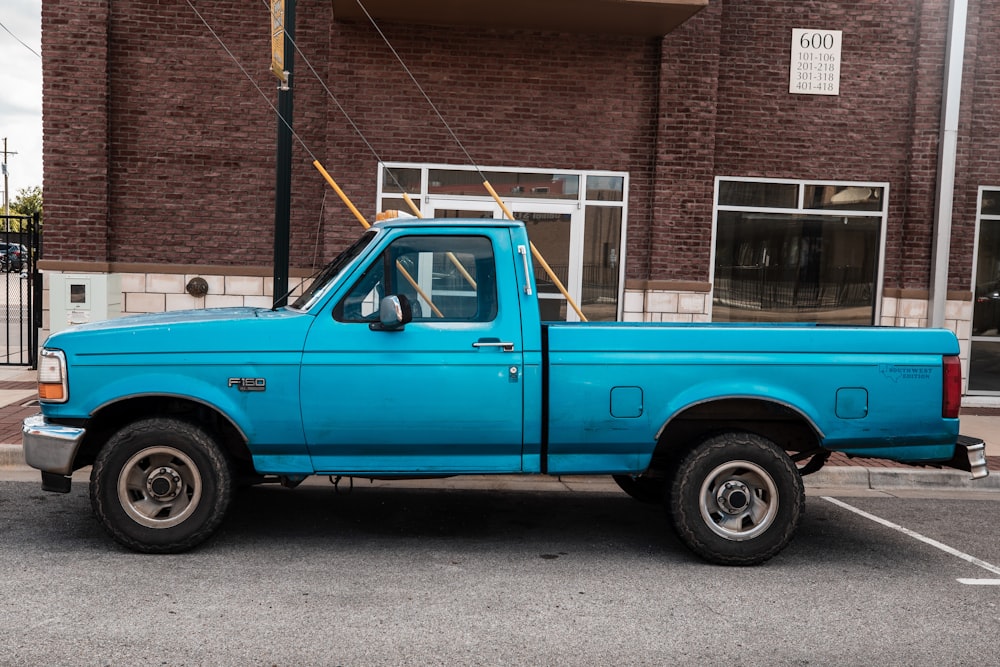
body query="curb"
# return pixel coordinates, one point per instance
(899, 478)
(846, 477)
(12, 457)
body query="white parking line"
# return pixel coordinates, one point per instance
(926, 540)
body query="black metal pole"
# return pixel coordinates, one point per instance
(283, 171)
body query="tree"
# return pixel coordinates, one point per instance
(28, 202)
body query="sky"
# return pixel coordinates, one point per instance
(21, 92)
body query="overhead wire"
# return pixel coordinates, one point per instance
(21, 41)
(250, 79)
(316, 163)
(421, 89)
(343, 196)
(486, 183)
(333, 97)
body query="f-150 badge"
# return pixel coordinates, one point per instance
(249, 384)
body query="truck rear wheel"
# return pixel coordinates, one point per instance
(160, 486)
(736, 499)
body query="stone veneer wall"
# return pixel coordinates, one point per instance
(666, 301)
(162, 292)
(159, 292)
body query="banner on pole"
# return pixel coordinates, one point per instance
(278, 40)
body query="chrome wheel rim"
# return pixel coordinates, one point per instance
(738, 500)
(159, 487)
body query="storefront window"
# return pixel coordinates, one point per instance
(984, 362)
(799, 266)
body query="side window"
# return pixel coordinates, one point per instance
(446, 278)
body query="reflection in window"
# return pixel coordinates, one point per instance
(522, 184)
(550, 234)
(990, 202)
(794, 267)
(462, 213)
(758, 194)
(400, 179)
(984, 359)
(605, 188)
(601, 263)
(984, 367)
(843, 197)
(986, 307)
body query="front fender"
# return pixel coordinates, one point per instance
(267, 417)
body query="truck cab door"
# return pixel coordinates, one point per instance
(441, 394)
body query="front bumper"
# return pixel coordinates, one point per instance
(50, 447)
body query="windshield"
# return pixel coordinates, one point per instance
(332, 270)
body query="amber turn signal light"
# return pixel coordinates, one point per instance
(50, 392)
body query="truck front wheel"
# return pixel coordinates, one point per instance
(160, 486)
(736, 499)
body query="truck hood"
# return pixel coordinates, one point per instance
(211, 330)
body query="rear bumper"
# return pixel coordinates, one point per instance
(970, 455)
(50, 447)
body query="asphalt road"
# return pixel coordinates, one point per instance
(467, 577)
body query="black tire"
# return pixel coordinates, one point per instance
(160, 486)
(651, 490)
(736, 499)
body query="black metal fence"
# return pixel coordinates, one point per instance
(20, 289)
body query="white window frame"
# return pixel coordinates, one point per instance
(800, 210)
(580, 203)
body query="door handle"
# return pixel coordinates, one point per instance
(506, 347)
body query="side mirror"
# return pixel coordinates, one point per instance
(394, 312)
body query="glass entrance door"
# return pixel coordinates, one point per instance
(556, 230)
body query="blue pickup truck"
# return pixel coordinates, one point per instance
(419, 351)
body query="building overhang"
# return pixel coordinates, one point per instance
(648, 18)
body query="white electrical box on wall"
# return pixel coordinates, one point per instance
(79, 298)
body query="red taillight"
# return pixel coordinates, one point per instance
(951, 397)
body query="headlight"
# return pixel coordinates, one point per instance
(52, 385)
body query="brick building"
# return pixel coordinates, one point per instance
(669, 158)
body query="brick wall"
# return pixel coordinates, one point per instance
(173, 160)
(192, 142)
(75, 121)
(181, 163)
(979, 144)
(159, 151)
(680, 231)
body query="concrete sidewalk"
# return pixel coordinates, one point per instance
(18, 400)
